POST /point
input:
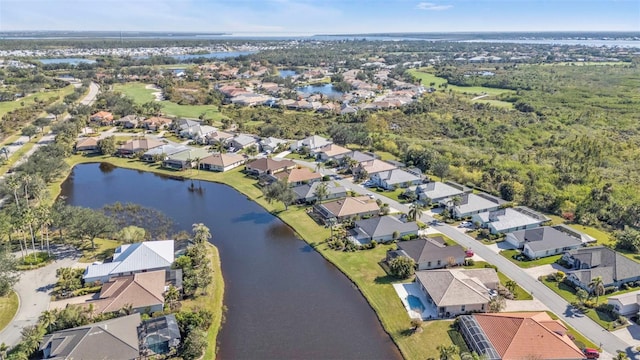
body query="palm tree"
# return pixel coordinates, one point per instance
(447, 352)
(415, 211)
(321, 192)
(31, 337)
(511, 285)
(201, 233)
(597, 287)
(319, 167)
(48, 319)
(127, 309)
(171, 297)
(620, 355)
(3, 351)
(5, 151)
(582, 295)
(455, 202)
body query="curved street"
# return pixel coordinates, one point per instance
(609, 342)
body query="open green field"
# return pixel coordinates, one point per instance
(428, 78)
(7, 106)
(104, 250)
(140, 94)
(361, 267)
(8, 309)
(13, 158)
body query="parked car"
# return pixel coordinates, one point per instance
(591, 353)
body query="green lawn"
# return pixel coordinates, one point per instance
(428, 78)
(569, 295)
(13, 158)
(529, 264)
(296, 156)
(361, 267)
(8, 309)
(212, 301)
(104, 250)
(140, 94)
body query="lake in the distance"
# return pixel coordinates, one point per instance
(286, 73)
(324, 89)
(284, 300)
(71, 61)
(214, 55)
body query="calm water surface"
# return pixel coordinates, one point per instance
(325, 89)
(284, 300)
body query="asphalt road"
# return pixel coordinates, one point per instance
(609, 342)
(90, 98)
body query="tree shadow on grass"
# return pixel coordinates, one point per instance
(387, 279)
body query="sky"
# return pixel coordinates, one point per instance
(321, 16)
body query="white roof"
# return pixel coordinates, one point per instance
(508, 218)
(397, 176)
(628, 298)
(438, 190)
(313, 142)
(135, 257)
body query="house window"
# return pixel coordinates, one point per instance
(462, 308)
(439, 262)
(482, 307)
(429, 264)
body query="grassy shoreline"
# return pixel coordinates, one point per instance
(8, 309)
(372, 282)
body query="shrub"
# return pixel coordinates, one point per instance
(470, 262)
(610, 289)
(326, 178)
(373, 244)
(491, 266)
(402, 267)
(405, 238)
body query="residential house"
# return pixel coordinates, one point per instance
(307, 192)
(144, 292)
(312, 143)
(356, 156)
(297, 176)
(111, 339)
(129, 121)
(328, 108)
(269, 166)
(219, 136)
(250, 99)
(543, 241)
(270, 144)
(395, 178)
(193, 130)
(156, 123)
(331, 152)
(159, 335)
(627, 304)
(242, 141)
(221, 162)
(162, 152)
(88, 145)
(458, 291)
(138, 146)
(436, 191)
(374, 166)
(509, 219)
(430, 253)
(131, 259)
(527, 335)
(591, 262)
(586, 239)
(382, 228)
(185, 159)
(102, 117)
(471, 204)
(347, 208)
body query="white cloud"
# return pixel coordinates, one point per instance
(432, 6)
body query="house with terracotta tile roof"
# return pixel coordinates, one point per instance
(221, 162)
(143, 291)
(374, 166)
(297, 176)
(347, 208)
(458, 291)
(156, 123)
(532, 335)
(88, 145)
(102, 117)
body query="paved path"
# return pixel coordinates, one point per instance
(90, 98)
(609, 342)
(34, 290)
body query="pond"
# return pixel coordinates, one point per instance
(287, 73)
(284, 300)
(324, 89)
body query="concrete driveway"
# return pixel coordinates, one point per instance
(34, 290)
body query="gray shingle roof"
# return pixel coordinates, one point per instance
(431, 249)
(115, 339)
(454, 287)
(437, 190)
(397, 176)
(609, 264)
(307, 191)
(385, 225)
(545, 238)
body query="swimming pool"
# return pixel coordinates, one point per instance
(415, 304)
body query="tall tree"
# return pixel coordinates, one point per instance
(415, 211)
(441, 168)
(321, 192)
(597, 287)
(107, 145)
(201, 233)
(9, 275)
(279, 191)
(89, 224)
